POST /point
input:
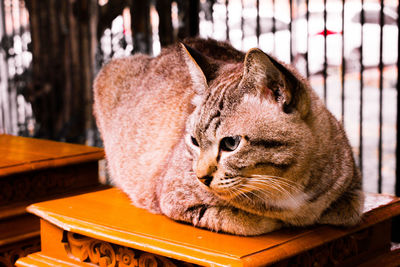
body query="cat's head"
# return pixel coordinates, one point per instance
(248, 133)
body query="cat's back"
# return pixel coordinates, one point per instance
(125, 79)
(141, 74)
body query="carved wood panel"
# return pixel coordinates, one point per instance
(10, 254)
(31, 186)
(349, 250)
(104, 254)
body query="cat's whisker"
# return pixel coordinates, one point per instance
(242, 194)
(275, 178)
(264, 193)
(245, 196)
(257, 185)
(257, 189)
(289, 195)
(229, 188)
(272, 185)
(267, 181)
(289, 183)
(235, 193)
(252, 189)
(241, 197)
(229, 184)
(231, 194)
(280, 189)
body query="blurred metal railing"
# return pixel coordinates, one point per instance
(15, 112)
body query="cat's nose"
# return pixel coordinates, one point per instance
(206, 180)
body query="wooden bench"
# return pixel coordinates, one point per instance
(33, 170)
(103, 228)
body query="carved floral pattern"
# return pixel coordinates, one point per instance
(8, 258)
(333, 253)
(29, 186)
(86, 249)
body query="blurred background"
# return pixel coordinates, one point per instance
(51, 51)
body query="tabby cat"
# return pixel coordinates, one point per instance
(232, 142)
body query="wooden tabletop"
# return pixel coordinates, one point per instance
(108, 215)
(21, 154)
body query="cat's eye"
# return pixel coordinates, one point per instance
(229, 143)
(194, 141)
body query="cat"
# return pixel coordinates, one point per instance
(231, 142)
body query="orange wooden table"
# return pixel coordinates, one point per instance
(105, 229)
(33, 170)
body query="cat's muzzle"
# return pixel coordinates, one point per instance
(206, 179)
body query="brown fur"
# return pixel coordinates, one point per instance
(163, 121)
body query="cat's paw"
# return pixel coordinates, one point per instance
(231, 220)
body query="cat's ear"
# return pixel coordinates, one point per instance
(273, 80)
(201, 69)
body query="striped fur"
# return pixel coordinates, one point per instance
(227, 141)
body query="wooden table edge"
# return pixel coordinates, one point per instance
(52, 163)
(377, 215)
(142, 242)
(180, 251)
